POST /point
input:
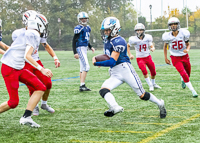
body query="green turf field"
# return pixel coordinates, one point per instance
(79, 116)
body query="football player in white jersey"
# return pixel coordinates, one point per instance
(45, 80)
(142, 43)
(179, 46)
(13, 62)
(121, 70)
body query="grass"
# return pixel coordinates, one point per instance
(79, 116)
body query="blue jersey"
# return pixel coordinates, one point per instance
(117, 44)
(84, 37)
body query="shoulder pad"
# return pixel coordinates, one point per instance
(32, 37)
(16, 33)
(119, 44)
(149, 37)
(186, 34)
(165, 36)
(89, 27)
(132, 40)
(78, 29)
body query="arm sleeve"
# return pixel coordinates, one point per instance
(106, 63)
(75, 39)
(89, 45)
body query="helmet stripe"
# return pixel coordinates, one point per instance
(83, 14)
(26, 15)
(43, 18)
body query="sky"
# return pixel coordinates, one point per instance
(156, 6)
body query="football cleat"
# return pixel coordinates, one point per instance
(151, 88)
(36, 111)
(47, 108)
(156, 86)
(163, 112)
(194, 93)
(28, 121)
(113, 110)
(84, 88)
(183, 84)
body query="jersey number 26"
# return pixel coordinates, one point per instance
(177, 45)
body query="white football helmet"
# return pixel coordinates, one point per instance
(139, 26)
(83, 15)
(26, 15)
(174, 20)
(111, 23)
(39, 23)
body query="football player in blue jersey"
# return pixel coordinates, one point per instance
(3, 45)
(80, 45)
(121, 69)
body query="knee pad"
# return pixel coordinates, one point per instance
(146, 96)
(103, 92)
(13, 103)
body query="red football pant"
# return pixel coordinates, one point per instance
(44, 79)
(182, 65)
(12, 77)
(142, 62)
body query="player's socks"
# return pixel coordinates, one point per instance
(82, 83)
(148, 81)
(44, 102)
(189, 85)
(183, 83)
(110, 99)
(153, 81)
(155, 100)
(27, 113)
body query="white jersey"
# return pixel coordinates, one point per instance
(177, 44)
(141, 46)
(14, 56)
(35, 55)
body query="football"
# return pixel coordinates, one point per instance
(102, 57)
